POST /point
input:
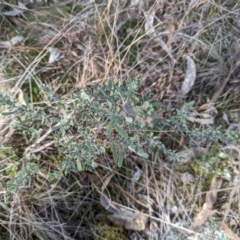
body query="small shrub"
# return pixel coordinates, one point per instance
(109, 118)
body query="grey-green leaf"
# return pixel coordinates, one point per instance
(110, 128)
(79, 165)
(190, 77)
(56, 128)
(142, 154)
(114, 152)
(122, 132)
(8, 113)
(84, 96)
(120, 159)
(54, 119)
(145, 105)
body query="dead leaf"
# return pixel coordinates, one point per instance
(12, 42)
(107, 204)
(171, 29)
(136, 224)
(225, 118)
(190, 77)
(117, 210)
(137, 175)
(54, 54)
(21, 100)
(106, 182)
(211, 195)
(207, 209)
(205, 115)
(16, 11)
(181, 141)
(149, 18)
(203, 121)
(203, 107)
(165, 47)
(129, 219)
(124, 217)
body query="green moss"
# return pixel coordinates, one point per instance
(11, 170)
(108, 232)
(215, 162)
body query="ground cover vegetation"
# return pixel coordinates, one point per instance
(119, 119)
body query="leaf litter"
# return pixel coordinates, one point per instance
(14, 41)
(207, 208)
(54, 54)
(132, 220)
(190, 77)
(20, 9)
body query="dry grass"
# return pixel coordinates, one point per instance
(114, 40)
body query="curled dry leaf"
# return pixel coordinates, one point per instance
(121, 216)
(211, 195)
(225, 118)
(21, 100)
(54, 54)
(190, 77)
(171, 29)
(203, 107)
(207, 209)
(204, 118)
(205, 115)
(124, 217)
(16, 11)
(12, 42)
(203, 121)
(136, 224)
(149, 18)
(137, 175)
(165, 47)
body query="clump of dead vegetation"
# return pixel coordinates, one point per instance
(184, 55)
